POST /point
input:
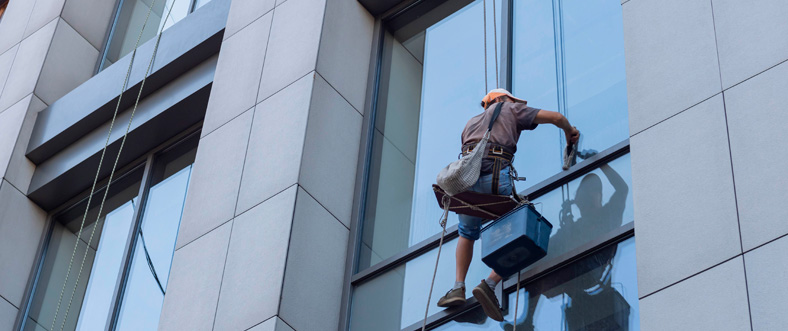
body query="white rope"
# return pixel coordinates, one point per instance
(444, 218)
(112, 172)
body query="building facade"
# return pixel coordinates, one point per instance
(267, 164)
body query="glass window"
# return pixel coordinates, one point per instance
(130, 18)
(101, 283)
(598, 292)
(568, 56)
(93, 294)
(585, 209)
(423, 104)
(155, 242)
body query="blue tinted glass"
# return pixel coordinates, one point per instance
(534, 79)
(596, 90)
(95, 267)
(432, 81)
(155, 245)
(582, 210)
(598, 292)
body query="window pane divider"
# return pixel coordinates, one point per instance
(532, 193)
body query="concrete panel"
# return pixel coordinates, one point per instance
(273, 160)
(713, 300)
(318, 242)
(345, 46)
(272, 324)
(21, 227)
(254, 272)
(195, 278)
(7, 315)
(20, 169)
(213, 188)
(237, 74)
(27, 65)
(70, 62)
(43, 12)
(6, 60)
(767, 270)
(244, 12)
(10, 124)
(685, 211)
(750, 37)
(292, 49)
(14, 22)
(328, 169)
(756, 120)
(90, 18)
(671, 58)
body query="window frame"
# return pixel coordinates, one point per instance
(147, 162)
(400, 15)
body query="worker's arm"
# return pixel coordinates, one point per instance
(555, 118)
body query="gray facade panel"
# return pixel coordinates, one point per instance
(255, 267)
(767, 270)
(273, 159)
(671, 58)
(750, 37)
(20, 169)
(293, 44)
(272, 324)
(7, 315)
(14, 22)
(713, 300)
(195, 279)
(43, 13)
(70, 62)
(244, 12)
(90, 18)
(213, 189)
(237, 74)
(685, 214)
(6, 60)
(328, 168)
(21, 227)
(317, 242)
(27, 65)
(757, 120)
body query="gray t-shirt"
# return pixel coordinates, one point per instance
(514, 118)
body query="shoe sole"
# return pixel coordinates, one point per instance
(452, 303)
(490, 308)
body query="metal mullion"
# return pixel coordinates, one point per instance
(507, 43)
(125, 264)
(108, 40)
(532, 193)
(32, 282)
(541, 269)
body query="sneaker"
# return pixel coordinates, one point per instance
(455, 297)
(486, 297)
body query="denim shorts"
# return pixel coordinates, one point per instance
(470, 226)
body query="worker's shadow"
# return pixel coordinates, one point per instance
(588, 300)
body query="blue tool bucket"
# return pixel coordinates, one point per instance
(515, 240)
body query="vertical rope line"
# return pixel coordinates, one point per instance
(95, 179)
(484, 22)
(446, 204)
(117, 157)
(495, 45)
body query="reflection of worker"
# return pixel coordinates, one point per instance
(515, 117)
(586, 282)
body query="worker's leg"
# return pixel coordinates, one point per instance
(463, 254)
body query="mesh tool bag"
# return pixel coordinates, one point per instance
(461, 175)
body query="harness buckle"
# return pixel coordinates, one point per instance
(497, 150)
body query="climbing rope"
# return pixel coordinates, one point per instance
(446, 200)
(112, 172)
(444, 219)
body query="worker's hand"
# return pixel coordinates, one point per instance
(572, 136)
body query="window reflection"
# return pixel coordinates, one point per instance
(582, 210)
(93, 294)
(598, 292)
(432, 79)
(131, 17)
(155, 241)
